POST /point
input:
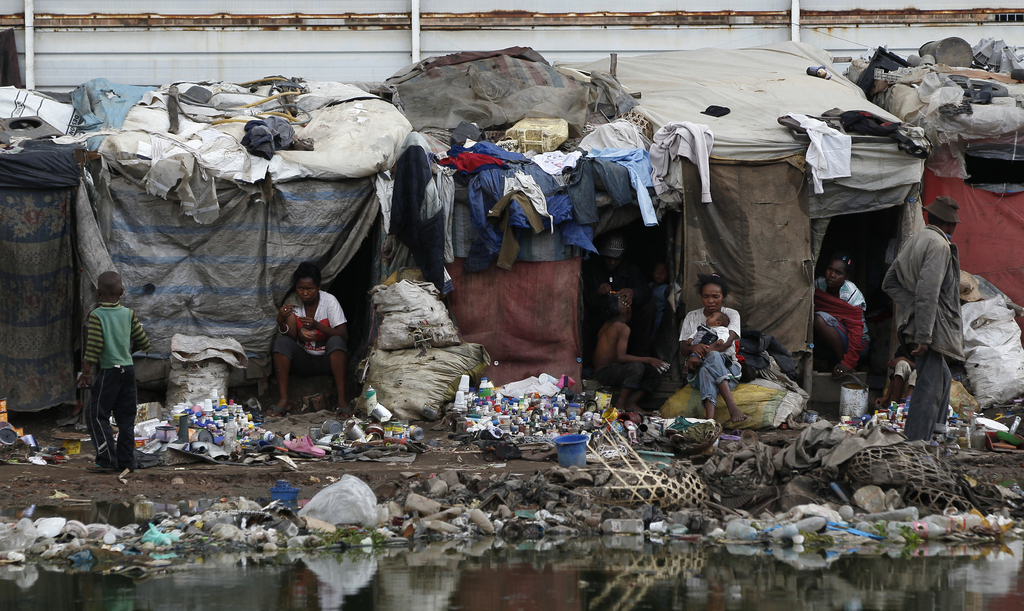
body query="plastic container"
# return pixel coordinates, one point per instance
(853, 400)
(541, 135)
(284, 492)
(739, 531)
(572, 450)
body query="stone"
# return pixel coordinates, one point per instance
(870, 498)
(451, 478)
(438, 488)
(425, 506)
(270, 548)
(315, 524)
(559, 475)
(582, 478)
(480, 519)
(177, 481)
(385, 490)
(846, 513)
(601, 478)
(441, 527)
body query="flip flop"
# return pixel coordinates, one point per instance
(98, 468)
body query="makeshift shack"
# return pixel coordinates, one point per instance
(764, 225)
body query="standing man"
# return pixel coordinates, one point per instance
(924, 283)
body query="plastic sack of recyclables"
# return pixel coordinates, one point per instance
(995, 358)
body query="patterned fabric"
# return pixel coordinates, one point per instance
(36, 298)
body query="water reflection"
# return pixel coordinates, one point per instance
(615, 574)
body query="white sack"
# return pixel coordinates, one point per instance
(412, 311)
(995, 358)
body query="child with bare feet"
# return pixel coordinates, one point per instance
(903, 379)
(635, 375)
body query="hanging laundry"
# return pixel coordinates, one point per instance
(829, 153)
(682, 139)
(416, 217)
(638, 162)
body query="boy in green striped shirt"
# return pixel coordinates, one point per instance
(114, 333)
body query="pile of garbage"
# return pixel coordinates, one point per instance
(558, 504)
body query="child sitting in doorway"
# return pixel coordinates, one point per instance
(635, 375)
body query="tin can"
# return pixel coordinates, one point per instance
(811, 416)
(314, 433)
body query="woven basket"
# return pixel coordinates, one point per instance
(687, 443)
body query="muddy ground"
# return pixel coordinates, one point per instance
(22, 485)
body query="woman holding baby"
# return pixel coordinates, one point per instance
(707, 342)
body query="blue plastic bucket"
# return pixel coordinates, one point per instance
(285, 493)
(572, 450)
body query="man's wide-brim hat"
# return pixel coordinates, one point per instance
(945, 208)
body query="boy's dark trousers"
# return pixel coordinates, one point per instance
(113, 392)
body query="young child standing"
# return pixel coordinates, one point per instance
(114, 333)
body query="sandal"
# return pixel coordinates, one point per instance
(98, 468)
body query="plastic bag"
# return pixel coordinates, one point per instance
(412, 312)
(347, 501)
(18, 537)
(158, 538)
(995, 358)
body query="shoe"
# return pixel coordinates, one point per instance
(304, 445)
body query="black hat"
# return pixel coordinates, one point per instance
(945, 208)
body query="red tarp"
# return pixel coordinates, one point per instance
(527, 317)
(990, 237)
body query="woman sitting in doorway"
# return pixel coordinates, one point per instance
(839, 328)
(313, 337)
(712, 369)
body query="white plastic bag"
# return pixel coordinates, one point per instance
(347, 501)
(995, 358)
(200, 367)
(412, 311)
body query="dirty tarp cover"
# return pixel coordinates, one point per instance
(490, 91)
(227, 278)
(759, 85)
(36, 298)
(756, 235)
(498, 309)
(989, 234)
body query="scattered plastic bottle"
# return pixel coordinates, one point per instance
(739, 531)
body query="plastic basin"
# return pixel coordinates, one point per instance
(572, 450)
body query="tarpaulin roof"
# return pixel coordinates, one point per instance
(758, 85)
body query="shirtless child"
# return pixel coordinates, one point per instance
(635, 375)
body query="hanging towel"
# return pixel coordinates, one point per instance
(682, 139)
(829, 152)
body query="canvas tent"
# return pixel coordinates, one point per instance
(204, 232)
(758, 232)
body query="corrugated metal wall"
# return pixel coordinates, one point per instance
(154, 42)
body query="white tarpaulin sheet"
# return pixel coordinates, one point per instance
(758, 86)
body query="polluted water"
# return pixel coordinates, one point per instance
(622, 571)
